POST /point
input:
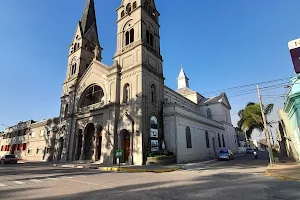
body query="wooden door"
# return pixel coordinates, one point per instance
(126, 148)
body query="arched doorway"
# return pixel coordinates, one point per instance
(88, 142)
(125, 138)
(99, 142)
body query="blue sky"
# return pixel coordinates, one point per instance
(221, 44)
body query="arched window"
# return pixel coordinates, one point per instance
(66, 111)
(92, 95)
(149, 38)
(122, 13)
(73, 69)
(131, 35)
(208, 113)
(126, 93)
(219, 140)
(127, 38)
(207, 139)
(223, 140)
(134, 5)
(188, 137)
(153, 93)
(128, 8)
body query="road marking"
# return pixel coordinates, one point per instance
(19, 182)
(69, 177)
(2, 185)
(53, 179)
(35, 180)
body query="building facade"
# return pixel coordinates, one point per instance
(14, 139)
(126, 106)
(289, 123)
(30, 140)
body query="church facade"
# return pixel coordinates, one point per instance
(126, 106)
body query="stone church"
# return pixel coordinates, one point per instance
(126, 106)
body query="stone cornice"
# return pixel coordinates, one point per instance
(214, 123)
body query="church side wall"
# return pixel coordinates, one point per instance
(176, 119)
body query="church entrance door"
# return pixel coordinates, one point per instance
(126, 144)
(88, 142)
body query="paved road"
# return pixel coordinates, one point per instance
(242, 178)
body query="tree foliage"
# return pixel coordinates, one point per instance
(251, 118)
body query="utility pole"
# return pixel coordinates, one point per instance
(266, 128)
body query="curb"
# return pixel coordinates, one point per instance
(123, 169)
(74, 166)
(268, 173)
(134, 170)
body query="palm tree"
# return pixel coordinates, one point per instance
(251, 118)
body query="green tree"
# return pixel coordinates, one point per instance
(251, 118)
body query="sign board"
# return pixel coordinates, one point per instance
(154, 133)
(294, 47)
(119, 153)
(154, 145)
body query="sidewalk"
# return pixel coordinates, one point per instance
(286, 171)
(123, 168)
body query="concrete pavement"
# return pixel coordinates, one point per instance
(242, 178)
(286, 171)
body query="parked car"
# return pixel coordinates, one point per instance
(225, 155)
(249, 151)
(9, 159)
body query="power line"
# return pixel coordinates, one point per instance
(253, 91)
(245, 86)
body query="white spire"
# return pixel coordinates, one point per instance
(182, 79)
(181, 73)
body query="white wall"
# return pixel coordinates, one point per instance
(176, 119)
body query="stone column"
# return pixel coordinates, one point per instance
(95, 146)
(82, 148)
(76, 144)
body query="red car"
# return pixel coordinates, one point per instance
(9, 159)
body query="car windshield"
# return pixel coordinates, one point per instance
(224, 151)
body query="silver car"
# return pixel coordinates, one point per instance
(225, 155)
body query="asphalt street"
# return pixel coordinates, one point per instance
(241, 178)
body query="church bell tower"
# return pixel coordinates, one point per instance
(83, 49)
(138, 54)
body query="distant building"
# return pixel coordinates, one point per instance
(41, 141)
(288, 134)
(30, 140)
(240, 137)
(14, 139)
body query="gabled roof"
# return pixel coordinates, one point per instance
(222, 98)
(185, 91)
(88, 17)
